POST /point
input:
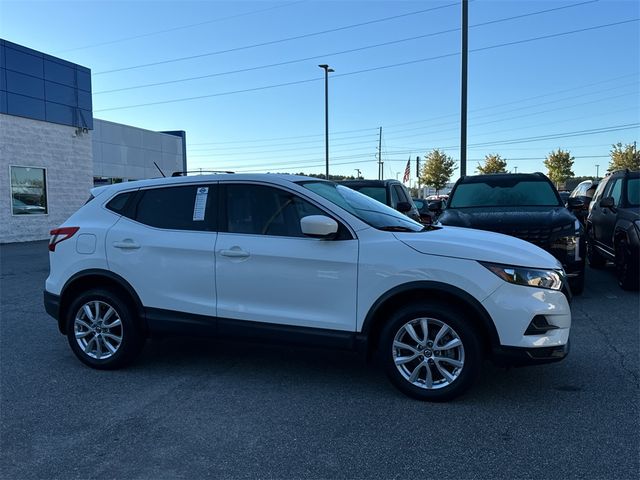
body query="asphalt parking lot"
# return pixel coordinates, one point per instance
(201, 408)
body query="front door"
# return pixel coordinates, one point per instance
(268, 271)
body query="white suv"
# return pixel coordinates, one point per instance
(301, 260)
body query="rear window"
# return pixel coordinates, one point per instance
(189, 207)
(504, 192)
(377, 193)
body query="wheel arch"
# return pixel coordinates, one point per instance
(98, 278)
(428, 291)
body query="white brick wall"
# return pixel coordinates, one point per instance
(68, 160)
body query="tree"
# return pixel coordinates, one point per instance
(493, 163)
(437, 170)
(624, 157)
(559, 164)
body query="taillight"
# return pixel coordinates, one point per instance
(60, 235)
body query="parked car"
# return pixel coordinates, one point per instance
(426, 215)
(390, 192)
(294, 259)
(564, 195)
(524, 205)
(613, 226)
(585, 192)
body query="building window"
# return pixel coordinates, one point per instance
(28, 191)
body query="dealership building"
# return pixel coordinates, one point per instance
(52, 150)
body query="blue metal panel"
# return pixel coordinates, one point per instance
(3, 80)
(23, 62)
(84, 79)
(84, 100)
(57, 113)
(3, 102)
(85, 118)
(25, 85)
(25, 106)
(60, 94)
(55, 72)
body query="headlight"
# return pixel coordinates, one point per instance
(530, 277)
(569, 245)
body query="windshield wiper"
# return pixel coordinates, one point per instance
(397, 228)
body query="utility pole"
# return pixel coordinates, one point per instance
(358, 173)
(327, 70)
(380, 173)
(463, 96)
(516, 169)
(597, 171)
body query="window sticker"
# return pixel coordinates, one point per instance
(200, 204)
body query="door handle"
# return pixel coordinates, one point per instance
(235, 252)
(126, 245)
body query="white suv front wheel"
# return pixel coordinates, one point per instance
(102, 330)
(430, 352)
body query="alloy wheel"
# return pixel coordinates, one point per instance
(98, 329)
(428, 353)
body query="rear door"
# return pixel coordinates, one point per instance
(163, 245)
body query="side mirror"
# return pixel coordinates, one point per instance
(435, 206)
(607, 202)
(575, 202)
(318, 226)
(403, 207)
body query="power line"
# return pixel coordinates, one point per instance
(367, 70)
(342, 52)
(574, 88)
(274, 42)
(182, 27)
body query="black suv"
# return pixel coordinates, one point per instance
(523, 205)
(613, 226)
(390, 192)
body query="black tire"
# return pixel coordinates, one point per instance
(120, 323)
(442, 389)
(596, 260)
(627, 269)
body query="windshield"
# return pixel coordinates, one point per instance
(365, 208)
(504, 192)
(633, 191)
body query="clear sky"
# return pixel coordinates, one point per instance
(397, 66)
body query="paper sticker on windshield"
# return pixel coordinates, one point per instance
(201, 204)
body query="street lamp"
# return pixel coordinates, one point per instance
(326, 69)
(597, 171)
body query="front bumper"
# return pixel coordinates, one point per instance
(520, 357)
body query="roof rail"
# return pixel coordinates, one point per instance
(200, 172)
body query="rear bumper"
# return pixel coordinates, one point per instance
(520, 357)
(52, 304)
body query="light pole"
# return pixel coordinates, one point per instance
(326, 69)
(516, 169)
(597, 171)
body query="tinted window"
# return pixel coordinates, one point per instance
(261, 210)
(504, 192)
(601, 186)
(118, 203)
(616, 191)
(190, 207)
(395, 198)
(633, 191)
(377, 193)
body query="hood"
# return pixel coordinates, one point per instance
(478, 245)
(539, 225)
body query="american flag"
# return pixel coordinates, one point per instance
(407, 172)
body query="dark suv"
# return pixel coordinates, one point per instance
(523, 205)
(390, 192)
(613, 226)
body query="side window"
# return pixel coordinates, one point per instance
(262, 210)
(598, 195)
(394, 197)
(119, 202)
(402, 193)
(189, 207)
(616, 191)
